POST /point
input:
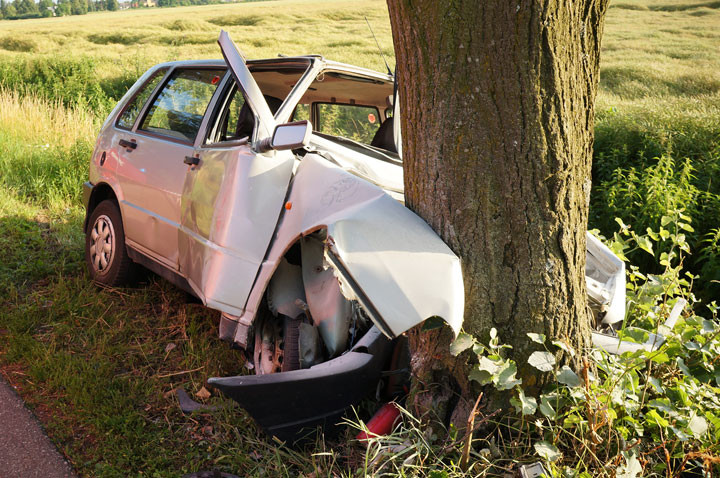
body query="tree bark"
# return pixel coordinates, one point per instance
(497, 105)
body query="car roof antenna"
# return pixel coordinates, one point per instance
(378, 45)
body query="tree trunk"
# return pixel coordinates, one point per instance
(498, 109)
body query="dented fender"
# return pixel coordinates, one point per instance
(385, 255)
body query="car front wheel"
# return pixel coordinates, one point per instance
(105, 253)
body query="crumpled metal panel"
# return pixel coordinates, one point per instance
(605, 280)
(285, 289)
(329, 309)
(400, 264)
(230, 206)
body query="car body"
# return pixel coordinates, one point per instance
(298, 236)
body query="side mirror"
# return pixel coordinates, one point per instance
(289, 136)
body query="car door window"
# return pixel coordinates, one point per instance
(234, 119)
(135, 105)
(359, 123)
(179, 108)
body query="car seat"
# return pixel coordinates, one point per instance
(384, 137)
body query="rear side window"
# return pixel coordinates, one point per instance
(359, 123)
(133, 108)
(179, 108)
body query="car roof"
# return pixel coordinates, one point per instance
(280, 60)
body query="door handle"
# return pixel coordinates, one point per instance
(191, 160)
(127, 144)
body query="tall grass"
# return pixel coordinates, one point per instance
(94, 358)
(44, 148)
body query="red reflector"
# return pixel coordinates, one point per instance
(288, 205)
(382, 422)
(215, 80)
(371, 118)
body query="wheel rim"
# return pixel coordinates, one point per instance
(102, 244)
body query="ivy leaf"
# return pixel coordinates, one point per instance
(567, 377)
(463, 342)
(537, 338)
(543, 361)
(547, 450)
(698, 426)
(523, 404)
(506, 379)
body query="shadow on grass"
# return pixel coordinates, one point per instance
(97, 364)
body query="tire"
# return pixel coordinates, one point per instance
(291, 342)
(277, 347)
(106, 256)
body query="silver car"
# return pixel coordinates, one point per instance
(272, 190)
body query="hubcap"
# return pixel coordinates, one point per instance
(102, 246)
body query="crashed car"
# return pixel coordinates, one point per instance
(272, 190)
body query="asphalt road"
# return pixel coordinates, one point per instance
(25, 450)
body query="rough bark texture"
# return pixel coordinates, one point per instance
(498, 105)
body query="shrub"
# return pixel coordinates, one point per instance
(647, 165)
(72, 81)
(646, 413)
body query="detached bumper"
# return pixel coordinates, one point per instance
(283, 404)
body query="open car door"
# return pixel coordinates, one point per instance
(231, 202)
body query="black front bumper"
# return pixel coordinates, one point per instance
(284, 404)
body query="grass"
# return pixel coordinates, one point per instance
(96, 364)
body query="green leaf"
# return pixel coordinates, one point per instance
(660, 357)
(543, 361)
(506, 379)
(665, 220)
(681, 365)
(547, 450)
(698, 426)
(657, 384)
(686, 227)
(545, 407)
(463, 342)
(654, 417)
(537, 338)
(682, 436)
(523, 404)
(645, 244)
(567, 377)
(488, 365)
(480, 376)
